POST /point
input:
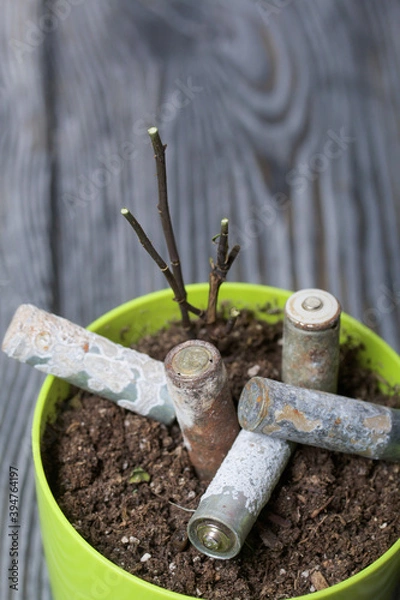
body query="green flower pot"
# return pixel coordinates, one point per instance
(77, 571)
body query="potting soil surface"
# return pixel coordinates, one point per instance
(126, 484)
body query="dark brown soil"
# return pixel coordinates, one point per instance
(330, 516)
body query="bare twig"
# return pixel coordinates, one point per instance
(174, 275)
(219, 270)
(163, 209)
(184, 306)
(148, 246)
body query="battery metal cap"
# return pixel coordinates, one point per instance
(312, 309)
(213, 537)
(197, 382)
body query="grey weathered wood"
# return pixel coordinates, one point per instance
(276, 78)
(25, 226)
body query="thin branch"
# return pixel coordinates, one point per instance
(219, 270)
(222, 252)
(163, 208)
(148, 246)
(232, 255)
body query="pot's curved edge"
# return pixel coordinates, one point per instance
(239, 293)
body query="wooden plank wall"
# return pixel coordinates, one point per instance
(282, 115)
(26, 271)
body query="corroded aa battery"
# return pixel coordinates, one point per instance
(89, 361)
(198, 386)
(310, 351)
(320, 419)
(250, 472)
(233, 500)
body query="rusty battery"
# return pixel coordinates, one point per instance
(198, 386)
(248, 475)
(310, 351)
(320, 419)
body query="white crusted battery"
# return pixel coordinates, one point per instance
(241, 487)
(89, 361)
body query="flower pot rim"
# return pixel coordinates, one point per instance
(349, 326)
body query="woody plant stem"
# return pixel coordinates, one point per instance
(174, 277)
(160, 262)
(219, 270)
(163, 209)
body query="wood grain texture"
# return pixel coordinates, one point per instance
(283, 116)
(25, 272)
